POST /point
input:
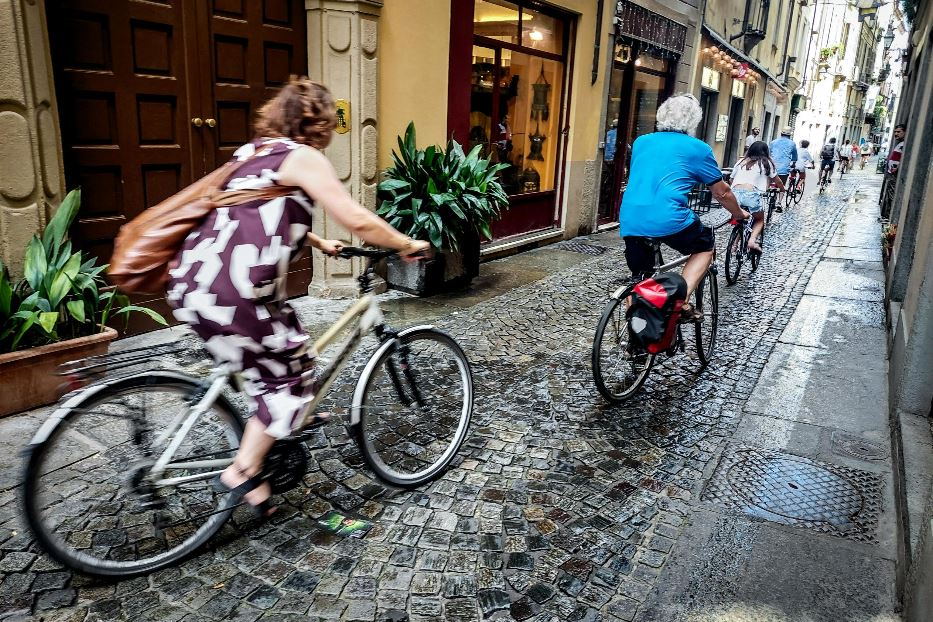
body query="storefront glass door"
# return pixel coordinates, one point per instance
(638, 84)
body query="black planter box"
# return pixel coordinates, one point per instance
(447, 271)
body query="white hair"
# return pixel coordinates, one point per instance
(680, 113)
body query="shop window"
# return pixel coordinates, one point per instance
(516, 93)
(542, 32)
(496, 19)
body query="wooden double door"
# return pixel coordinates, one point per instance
(153, 94)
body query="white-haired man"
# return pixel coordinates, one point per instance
(665, 165)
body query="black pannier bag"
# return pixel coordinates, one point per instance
(654, 311)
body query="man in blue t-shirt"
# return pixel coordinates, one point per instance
(784, 153)
(665, 166)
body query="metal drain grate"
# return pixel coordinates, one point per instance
(792, 490)
(857, 447)
(580, 247)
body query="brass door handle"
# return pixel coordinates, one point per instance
(197, 122)
(210, 122)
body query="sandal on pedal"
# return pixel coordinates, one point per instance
(264, 509)
(689, 314)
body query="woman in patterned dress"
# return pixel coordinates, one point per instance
(228, 280)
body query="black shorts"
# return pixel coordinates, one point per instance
(830, 163)
(784, 178)
(696, 238)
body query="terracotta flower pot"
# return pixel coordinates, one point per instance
(28, 378)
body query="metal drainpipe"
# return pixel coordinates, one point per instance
(598, 41)
(806, 62)
(787, 38)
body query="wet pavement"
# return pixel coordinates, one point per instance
(758, 488)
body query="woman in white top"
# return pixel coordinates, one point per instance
(750, 178)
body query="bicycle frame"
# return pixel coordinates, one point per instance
(369, 317)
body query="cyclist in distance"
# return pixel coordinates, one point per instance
(804, 159)
(666, 164)
(750, 178)
(827, 162)
(784, 153)
(227, 282)
(843, 153)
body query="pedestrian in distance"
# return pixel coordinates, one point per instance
(752, 137)
(892, 168)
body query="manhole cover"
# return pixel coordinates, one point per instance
(580, 247)
(792, 490)
(857, 447)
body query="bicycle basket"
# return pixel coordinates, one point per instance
(700, 199)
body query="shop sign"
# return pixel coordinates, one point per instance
(710, 79)
(343, 116)
(738, 89)
(721, 126)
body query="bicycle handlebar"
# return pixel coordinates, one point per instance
(375, 253)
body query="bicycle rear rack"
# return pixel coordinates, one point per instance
(94, 367)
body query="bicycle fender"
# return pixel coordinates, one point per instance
(371, 363)
(45, 430)
(49, 425)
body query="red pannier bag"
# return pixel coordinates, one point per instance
(654, 311)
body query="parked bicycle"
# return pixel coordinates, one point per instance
(620, 367)
(120, 479)
(737, 250)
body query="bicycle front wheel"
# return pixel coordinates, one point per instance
(88, 495)
(734, 255)
(706, 300)
(412, 407)
(619, 367)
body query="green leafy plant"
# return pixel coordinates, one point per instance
(440, 195)
(62, 294)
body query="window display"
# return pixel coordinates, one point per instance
(515, 96)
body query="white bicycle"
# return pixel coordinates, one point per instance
(120, 479)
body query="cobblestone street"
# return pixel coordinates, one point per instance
(562, 506)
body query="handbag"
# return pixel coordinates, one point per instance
(145, 245)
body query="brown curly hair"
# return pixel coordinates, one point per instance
(302, 111)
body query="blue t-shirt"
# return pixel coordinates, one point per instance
(665, 166)
(783, 152)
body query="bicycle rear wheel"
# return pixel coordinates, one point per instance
(798, 191)
(619, 368)
(788, 198)
(706, 300)
(86, 494)
(734, 255)
(412, 407)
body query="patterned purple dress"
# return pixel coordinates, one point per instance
(229, 286)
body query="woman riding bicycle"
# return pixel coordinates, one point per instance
(228, 279)
(751, 176)
(665, 166)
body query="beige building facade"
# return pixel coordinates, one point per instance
(142, 119)
(750, 61)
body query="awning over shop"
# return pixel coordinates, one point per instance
(740, 54)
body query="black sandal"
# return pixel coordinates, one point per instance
(264, 509)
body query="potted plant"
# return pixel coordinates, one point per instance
(56, 313)
(446, 197)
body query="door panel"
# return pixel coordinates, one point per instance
(252, 49)
(131, 77)
(121, 69)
